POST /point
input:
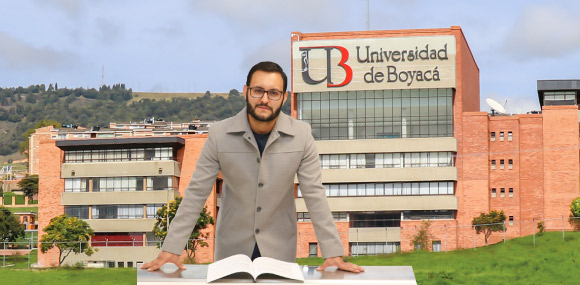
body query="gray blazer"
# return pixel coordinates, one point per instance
(257, 202)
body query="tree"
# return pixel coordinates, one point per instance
(575, 213)
(423, 237)
(24, 144)
(489, 223)
(10, 227)
(29, 185)
(196, 237)
(68, 234)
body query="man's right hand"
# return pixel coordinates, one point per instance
(162, 258)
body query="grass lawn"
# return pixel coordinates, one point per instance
(19, 199)
(552, 261)
(515, 262)
(20, 274)
(117, 276)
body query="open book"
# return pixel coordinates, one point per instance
(241, 266)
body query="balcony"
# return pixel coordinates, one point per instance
(390, 203)
(119, 198)
(123, 168)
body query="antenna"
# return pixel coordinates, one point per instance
(495, 106)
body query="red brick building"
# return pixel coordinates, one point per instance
(400, 146)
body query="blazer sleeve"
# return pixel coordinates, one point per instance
(194, 199)
(310, 178)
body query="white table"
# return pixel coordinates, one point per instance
(196, 274)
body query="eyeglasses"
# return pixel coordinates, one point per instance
(258, 92)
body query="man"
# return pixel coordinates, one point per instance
(259, 151)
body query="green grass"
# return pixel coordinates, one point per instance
(117, 276)
(23, 209)
(19, 199)
(20, 274)
(552, 261)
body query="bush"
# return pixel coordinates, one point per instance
(575, 214)
(540, 228)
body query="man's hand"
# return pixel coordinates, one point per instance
(162, 258)
(338, 262)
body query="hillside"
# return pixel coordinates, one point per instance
(22, 109)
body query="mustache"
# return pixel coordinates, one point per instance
(263, 105)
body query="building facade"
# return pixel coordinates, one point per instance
(395, 115)
(117, 185)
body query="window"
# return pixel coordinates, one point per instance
(130, 264)
(303, 217)
(107, 155)
(560, 98)
(436, 246)
(377, 114)
(428, 215)
(152, 210)
(388, 189)
(312, 249)
(81, 212)
(502, 192)
(492, 136)
(115, 184)
(501, 164)
(493, 193)
(160, 183)
(511, 192)
(118, 212)
(76, 185)
(493, 164)
(510, 136)
(364, 248)
(152, 240)
(511, 220)
(510, 164)
(375, 219)
(121, 264)
(501, 136)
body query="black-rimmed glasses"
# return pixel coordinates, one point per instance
(258, 92)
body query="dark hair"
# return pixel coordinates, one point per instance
(267, 66)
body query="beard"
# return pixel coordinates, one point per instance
(252, 111)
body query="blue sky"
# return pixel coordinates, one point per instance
(199, 45)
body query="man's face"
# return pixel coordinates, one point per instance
(263, 109)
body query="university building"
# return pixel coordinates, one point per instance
(395, 116)
(116, 185)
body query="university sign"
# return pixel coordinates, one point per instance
(373, 64)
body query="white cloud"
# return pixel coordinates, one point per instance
(18, 54)
(544, 32)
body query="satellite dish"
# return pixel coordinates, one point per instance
(495, 106)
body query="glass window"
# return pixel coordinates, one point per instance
(81, 212)
(493, 164)
(511, 192)
(510, 136)
(493, 193)
(76, 185)
(378, 114)
(492, 136)
(436, 246)
(502, 192)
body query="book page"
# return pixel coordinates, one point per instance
(230, 265)
(284, 269)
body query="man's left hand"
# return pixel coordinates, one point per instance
(338, 262)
